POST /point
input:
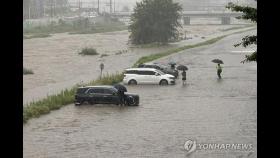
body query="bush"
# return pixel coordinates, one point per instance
(27, 71)
(103, 55)
(88, 51)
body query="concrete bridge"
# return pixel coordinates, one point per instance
(187, 15)
(225, 16)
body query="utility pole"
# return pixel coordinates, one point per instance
(29, 8)
(98, 7)
(110, 6)
(114, 6)
(79, 4)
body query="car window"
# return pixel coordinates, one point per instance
(81, 90)
(151, 73)
(131, 72)
(141, 72)
(95, 91)
(108, 91)
(160, 72)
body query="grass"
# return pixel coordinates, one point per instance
(75, 28)
(27, 71)
(100, 29)
(175, 50)
(41, 35)
(88, 51)
(152, 57)
(65, 97)
(149, 45)
(103, 55)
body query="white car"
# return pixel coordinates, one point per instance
(147, 76)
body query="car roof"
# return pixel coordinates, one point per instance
(99, 86)
(142, 69)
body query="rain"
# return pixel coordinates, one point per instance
(206, 109)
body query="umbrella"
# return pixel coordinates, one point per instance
(182, 67)
(218, 61)
(120, 87)
(172, 63)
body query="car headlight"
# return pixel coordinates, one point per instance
(172, 78)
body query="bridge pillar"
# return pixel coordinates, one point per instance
(187, 20)
(225, 20)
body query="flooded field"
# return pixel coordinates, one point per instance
(207, 110)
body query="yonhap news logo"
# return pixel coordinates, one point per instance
(192, 145)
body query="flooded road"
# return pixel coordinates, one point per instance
(207, 110)
(57, 65)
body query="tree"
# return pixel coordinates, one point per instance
(155, 21)
(125, 9)
(250, 13)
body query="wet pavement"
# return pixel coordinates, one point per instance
(207, 110)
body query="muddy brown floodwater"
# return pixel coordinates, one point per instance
(57, 65)
(207, 110)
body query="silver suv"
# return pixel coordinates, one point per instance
(147, 76)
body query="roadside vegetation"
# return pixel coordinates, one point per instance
(66, 97)
(88, 51)
(103, 55)
(155, 21)
(79, 26)
(249, 13)
(39, 35)
(27, 71)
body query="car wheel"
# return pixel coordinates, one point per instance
(91, 102)
(132, 82)
(163, 82)
(77, 103)
(131, 102)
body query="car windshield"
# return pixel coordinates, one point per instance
(160, 72)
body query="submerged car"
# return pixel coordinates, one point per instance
(160, 67)
(135, 76)
(103, 94)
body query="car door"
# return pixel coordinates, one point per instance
(151, 78)
(95, 95)
(107, 96)
(142, 77)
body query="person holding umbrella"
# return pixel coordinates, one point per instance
(218, 67)
(184, 74)
(121, 89)
(184, 78)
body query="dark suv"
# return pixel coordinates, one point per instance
(163, 68)
(103, 95)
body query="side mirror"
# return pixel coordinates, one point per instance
(157, 74)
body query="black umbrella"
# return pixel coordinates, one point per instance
(172, 63)
(120, 87)
(182, 67)
(218, 61)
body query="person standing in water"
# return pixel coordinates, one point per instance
(219, 70)
(184, 74)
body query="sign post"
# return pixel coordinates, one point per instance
(101, 68)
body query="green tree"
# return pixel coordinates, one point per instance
(250, 13)
(155, 21)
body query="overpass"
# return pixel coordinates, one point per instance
(187, 15)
